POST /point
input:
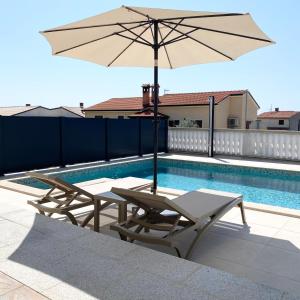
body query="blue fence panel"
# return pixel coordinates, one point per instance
(122, 137)
(147, 128)
(83, 140)
(29, 143)
(147, 136)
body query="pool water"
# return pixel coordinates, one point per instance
(272, 187)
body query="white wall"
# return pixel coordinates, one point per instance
(252, 143)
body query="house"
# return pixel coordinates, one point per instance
(40, 111)
(279, 120)
(233, 109)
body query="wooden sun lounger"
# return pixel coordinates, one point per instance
(63, 198)
(193, 211)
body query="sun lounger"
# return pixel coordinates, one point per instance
(63, 198)
(193, 211)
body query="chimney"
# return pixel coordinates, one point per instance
(277, 109)
(81, 105)
(152, 93)
(27, 104)
(146, 95)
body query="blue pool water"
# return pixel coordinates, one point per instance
(279, 188)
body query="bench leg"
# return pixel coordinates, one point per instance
(96, 215)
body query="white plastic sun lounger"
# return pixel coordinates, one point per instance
(193, 211)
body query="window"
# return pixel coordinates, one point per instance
(120, 117)
(171, 123)
(281, 122)
(176, 123)
(99, 117)
(198, 123)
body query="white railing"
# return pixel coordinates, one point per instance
(252, 143)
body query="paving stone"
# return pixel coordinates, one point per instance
(104, 245)
(143, 285)
(12, 233)
(68, 292)
(89, 272)
(39, 253)
(23, 293)
(165, 265)
(227, 286)
(22, 217)
(35, 279)
(7, 284)
(287, 296)
(58, 229)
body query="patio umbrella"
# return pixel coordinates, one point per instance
(151, 37)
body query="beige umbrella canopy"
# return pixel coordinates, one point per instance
(124, 37)
(151, 37)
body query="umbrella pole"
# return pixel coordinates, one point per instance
(155, 142)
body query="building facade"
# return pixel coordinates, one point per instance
(278, 120)
(233, 109)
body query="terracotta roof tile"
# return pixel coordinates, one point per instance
(277, 115)
(135, 103)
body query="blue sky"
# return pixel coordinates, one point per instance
(29, 74)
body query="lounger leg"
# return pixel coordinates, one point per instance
(71, 218)
(122, 212)
(177, 251)
(241, 205)
(96, 215)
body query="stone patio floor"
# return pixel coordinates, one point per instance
(40, 257)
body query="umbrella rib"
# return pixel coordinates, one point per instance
(223, 32)
(171, 30)
(203, 16)
(179, 37)
(203, 44)
(133, 39)
(132, 42)
(139, 37)
(137, 12)
(93, 26)
(165, 48)
(96, 40)
(151, 28)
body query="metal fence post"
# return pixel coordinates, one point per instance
(140, 150)
(166, 136)
(1, 147)
(211, 100)
(107, 157)
(61, 143)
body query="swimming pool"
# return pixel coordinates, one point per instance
(272, 187)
